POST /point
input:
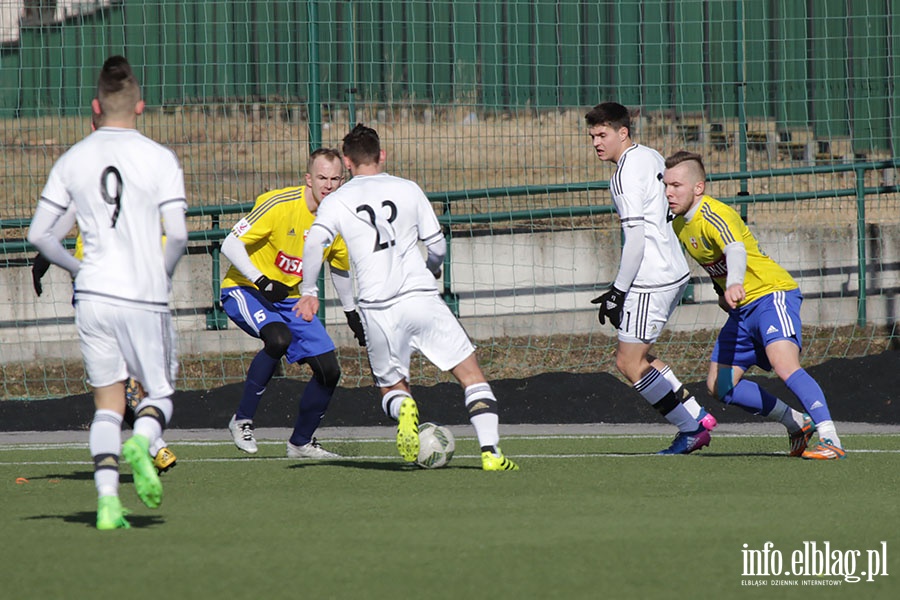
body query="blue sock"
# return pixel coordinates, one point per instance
(750, 397)
(313, 404)
(810, 395)
(258, 376)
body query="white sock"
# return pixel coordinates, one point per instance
(690, 403)
(150, 427)
(156, 446)
(390, 403)
(787, 416)
(827, 432)
(653, 387)
(105, 443)
(481, 405)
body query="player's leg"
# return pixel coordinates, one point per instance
(734, 353)
(105, 446)
(389, 349)
(312, 407)
(148, 346)
(438, 335)
(163, 458)
(249, 311)
(481, 404)
(697, 411)
(106, 371)
(645, 316)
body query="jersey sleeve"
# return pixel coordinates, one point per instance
(722, 225)
(55, 196)
(337, 255)
(255, 226)
(426, 220)
(629, 187)
(171, 182)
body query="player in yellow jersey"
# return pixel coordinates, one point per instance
(763, 305)
(260, 289)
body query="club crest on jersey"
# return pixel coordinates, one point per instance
(289, 264)
(694, 242)
(241, 227)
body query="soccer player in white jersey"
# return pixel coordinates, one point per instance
(382, 218)
(127, 190)
(652, 276)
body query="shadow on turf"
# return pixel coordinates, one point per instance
(372, 465)
(90, 519)
(79, 476)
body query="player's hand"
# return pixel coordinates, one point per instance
(734, 295)
(437, 273)
(356, 326)
(306, 307)
(611, 305)
(273, 291)
(38, 269)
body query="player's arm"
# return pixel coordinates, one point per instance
(343, 285)
(736, 262)
(40, 265)
(318, 238)
(612, 302)
(436, 249)
(175, 227)
(41, 235)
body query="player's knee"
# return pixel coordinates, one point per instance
(326, 369)
(276, 338)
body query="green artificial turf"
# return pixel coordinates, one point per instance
(586, 517)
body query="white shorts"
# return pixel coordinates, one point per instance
(118, 342)
(422, 323)
(645, 314)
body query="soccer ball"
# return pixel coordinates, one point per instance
(436, 446)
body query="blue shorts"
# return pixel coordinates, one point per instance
(251, 312)
(749, 329)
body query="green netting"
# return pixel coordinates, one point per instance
(792, 104)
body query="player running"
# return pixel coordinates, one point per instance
(260, 289)
(652, 276)
(382, 218)
(127, 190)
(763, 305)
(163, 457)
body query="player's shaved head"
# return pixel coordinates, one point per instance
(362, 145)
(329, 154)
(692, 163)
(118, 91)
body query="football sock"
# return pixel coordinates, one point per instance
(681, 392)
(152, 415)
(787, 416)
(390, 403)
(750, 397)
(313, 404)
(481, 404)
(657, 391)
(105, 443)
(810, 395)
(262, 367)
(157, 445)
(827, 432)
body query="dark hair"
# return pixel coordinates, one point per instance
(609, 113)
(685, 156)
(117, 87)
(330, 153)
(362, 145)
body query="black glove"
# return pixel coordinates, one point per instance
(273, 291)
(611, 304)
(38, 269)
(356, 326)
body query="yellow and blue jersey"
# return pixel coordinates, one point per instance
(713, 226)
(274, 233)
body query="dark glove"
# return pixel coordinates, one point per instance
(38, 269)
(273, 291)
(611, 304)
(356, 326)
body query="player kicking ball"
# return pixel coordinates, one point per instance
(381, 219)
(763, 305)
